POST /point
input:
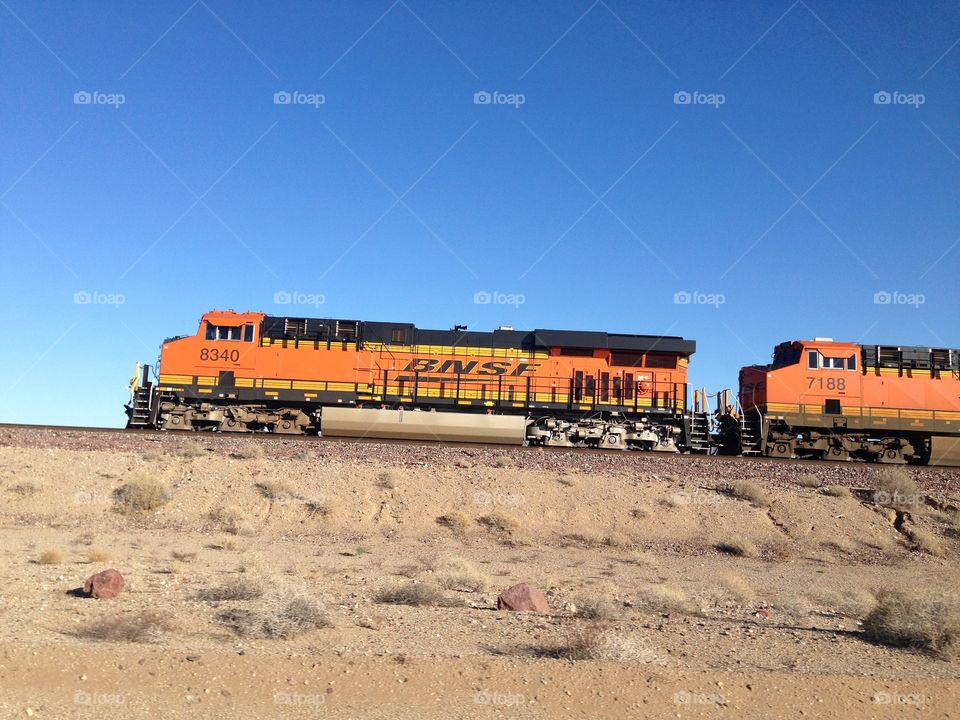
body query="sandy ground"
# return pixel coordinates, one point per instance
(693, 631)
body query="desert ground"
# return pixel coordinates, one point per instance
(273, 577)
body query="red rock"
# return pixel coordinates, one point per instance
(522, 597)
(103, 585)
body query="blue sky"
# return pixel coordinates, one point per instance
(632, 156)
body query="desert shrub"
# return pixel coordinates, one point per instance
(53, 556)
(231, 519)
(500, 521)
(598, 643)
(24, 488)
(147, 626)
(415, 594)
(455, 520)
(191, 450)
(925, 541)
(597, 607)
(236, 588)
(141, 494)
(746, 490)
(281, 617)
(248, 451)
(586, 538)
(96, 555)
(457, 574)
(183, 555)
(617, 539)
(741, 547)
(851, 603)
(838, 491)
(663, 599)
(809, 481)
(643, 511)
(274, 489)
(567, 480)
(324, 507)
(387, 480)
(736, 587)
(923, 620)
(897, 489)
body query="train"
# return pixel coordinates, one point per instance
(253, 372)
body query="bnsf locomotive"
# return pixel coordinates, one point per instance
(246, 372)
(249, 371)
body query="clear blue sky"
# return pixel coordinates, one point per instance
(587, 187)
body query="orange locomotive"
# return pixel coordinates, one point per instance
(254, 372)
(843, 401)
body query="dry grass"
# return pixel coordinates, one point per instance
(147, 626)
(566, 480)
(736, 587)
(599, 643)
(24, 488)
(282, 616)
(248, 451)
(597, 607)
(837, 491)
(617, 539)
(746, 490)
(191, 450)
(455, 520)
(641, 512)
(897, 489)
(500, 521)
(387, 481)
(923, 620)
(236, 588)
(232, 520)
(663, 599)
(809, 481)
(275, 490)
(416, 594)
(52, 556)
(741, 547)
(324, 507)
(141, 494)
(925, 541)
(849, 603)
(97, 555)
(183, 555)
(455, 573)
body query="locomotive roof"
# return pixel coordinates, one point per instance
(323, 328)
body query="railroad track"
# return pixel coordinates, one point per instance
(278, 437)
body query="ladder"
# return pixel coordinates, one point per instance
(751, 431)
(698, 438)
(142, 406)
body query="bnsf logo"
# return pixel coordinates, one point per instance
(472, 367)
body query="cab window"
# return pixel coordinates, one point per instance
(817, 360)
(229, 332)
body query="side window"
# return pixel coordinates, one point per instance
(852, 362)
(248, 333)
(813, 359)
(211, 332)
(225, 332)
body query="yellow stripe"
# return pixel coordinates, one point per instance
(205, 380)
(280, 384)
(309, 395)
(204, 390)
(244, 382)
(185, 379)
(308, 385)
(272, 394)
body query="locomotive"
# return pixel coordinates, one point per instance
(252, 372)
